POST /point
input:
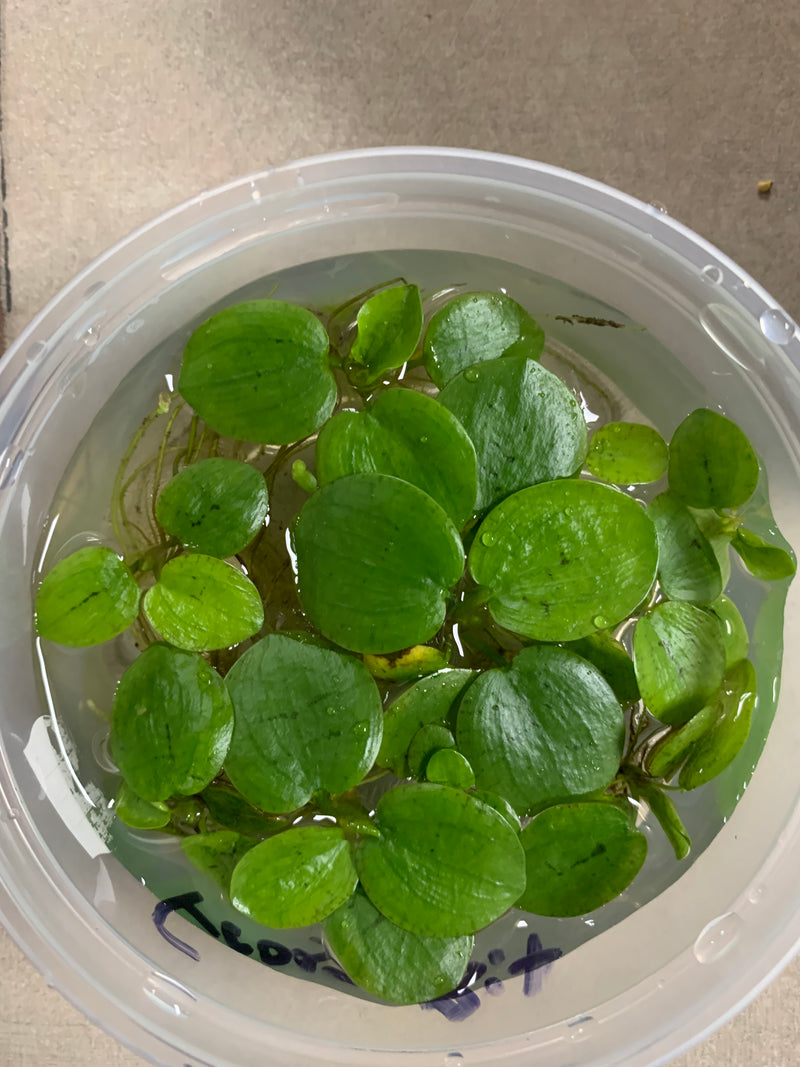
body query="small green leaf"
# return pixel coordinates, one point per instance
(389, 330)
(476, 327)
(429, 829)
(579, 857)
(565, 559)
(296, 878)
(525, 424)
(259, 371)
(303, 477)
(201, 603)
(718, 529)
(138, 813)
(545, 728)
(428, 701)
(410, 436)
(171, 723)
(408, 665)
(734, 632)
(667, 755)
(390, 962)
(711, 462)
(720, 744)
(501, 805)
(687, 564)
(627, 453)
(215, 506)
(764, 560)
(217, 854)
(229, 808)
(449, 767)
(427, 740)
(376, 558)
(86, 599)
(662, 807)
(612, 660)
(307, 718)
(679, 658)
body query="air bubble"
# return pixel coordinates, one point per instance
(776, 326)
(713, 273)
(716, 938)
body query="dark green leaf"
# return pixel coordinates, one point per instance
(296, 878)
(217, 854)
(307, 718)
(476, 327)
(734, 632)
(410, 436)
(545, 728)
(711, 462)
(408, 665)
(720, 744)
(171, 723)
(427, 740)
(201, 603)
(138, 813)
(526, 425)
(579, 857)
(389, 330)
(449, 767)
(376, 558)
(627, 453)
(215, 506)
(259, 372)
(390, 962)
(228, 808)
(429, 829)
(764, 560)
(662, 807)
(429, 701)
(687, 564)
(613, 662)
(86, 599)
(564, 559)
(679, 658)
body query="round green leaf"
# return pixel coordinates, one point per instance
(259, 372)
(427, 740)
(428, 701)
(202, 603)
(138, 813)
(627, 453)
(217, 854)
(687, 564)
(450, 768)
(307, 718)
(390, 962)
(723, 741)
(526, 425)
(545, 728)
(711, 462)
(410, 436)
(579, 857)
(215, 506)
(679, 658)
(171, 724)
(296, 878)
(667, 755)
(389, 329)
(86, 599)
(376, 558)
(445, 864)
(476, 327)
(564, 559)
(612, 660)
(764, 560)
(734, 631)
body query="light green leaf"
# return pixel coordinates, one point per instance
(390, 962)
(410, 436)
(201, 603)
(718, 529)
(171, 725)
(545, 728)
(476, 327)
(679, 659)
(526, 425)
(296, 878)
(430, 700)
(711, 462)
(687, 564)
(627, 453)
(215, 506)
(217, 854)
(138, 813)
(450, 767)
(86, 599)
(723, 741)
(376, 558)
(501, 805)
(427, 740)
(734, 631)
(259, 371)
(389, 330)
(766, 561)
(579, 857)
(307, 719)
(426, 830)
(565, 559)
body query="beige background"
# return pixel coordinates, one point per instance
(114, 111)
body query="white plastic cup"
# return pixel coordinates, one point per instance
(637, 994)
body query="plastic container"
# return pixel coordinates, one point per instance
(638, 993)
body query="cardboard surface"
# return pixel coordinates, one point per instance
(114, 112)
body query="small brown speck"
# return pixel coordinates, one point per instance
(765, 188)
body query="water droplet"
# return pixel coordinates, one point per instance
(453, 1058)
(580, 1029)
(713, 273)
(34, 351)
(661, 983)
(169, 995)
(755, 894)
(488, 539)
(776, 326)
(657, 206)
(90, 337)
(94, 289)
(330, 711)
(600, 622)
(134, 326)
(255, 195)
(423, 440)
(10, 469)
(471, 374)
(717, 937)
